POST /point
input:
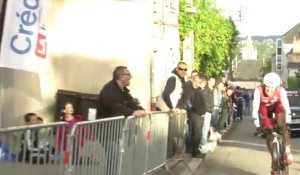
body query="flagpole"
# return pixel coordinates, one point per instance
(2, 17)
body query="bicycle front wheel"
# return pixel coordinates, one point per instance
(285, 171)
(276, 155)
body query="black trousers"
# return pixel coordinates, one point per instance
(196, 124)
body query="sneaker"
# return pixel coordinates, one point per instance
(206, 148)
(218, 135)
(288, 158)
(213, 137)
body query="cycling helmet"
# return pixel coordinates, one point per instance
(272, 80)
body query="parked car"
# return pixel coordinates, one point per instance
(294, 100)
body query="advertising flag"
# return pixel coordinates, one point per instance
(24, 40)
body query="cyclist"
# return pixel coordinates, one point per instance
(271, 98)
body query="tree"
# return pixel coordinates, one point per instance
(297, 73)
(215, 37)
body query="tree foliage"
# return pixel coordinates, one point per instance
(297, 73)
(215, 37)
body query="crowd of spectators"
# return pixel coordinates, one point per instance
(211, 105)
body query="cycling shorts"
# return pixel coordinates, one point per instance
(266, 113)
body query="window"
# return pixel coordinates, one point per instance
(278, 43)
(278, 67)
(278, 51)
(278, 59)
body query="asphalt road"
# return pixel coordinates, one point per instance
(241, 153)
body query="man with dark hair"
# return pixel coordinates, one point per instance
(196, 119)
(186, 102)
(40, 120)
(115, 98)
(30, 118)
(30, 151)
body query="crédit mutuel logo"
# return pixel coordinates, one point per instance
(30, 33)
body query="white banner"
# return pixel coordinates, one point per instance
(24, 41)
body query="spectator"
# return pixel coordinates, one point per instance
(196, 119)
(238, 101)
(115, 98)
(247, 100)
(44, 141)
(5, 153)
(193, 74)
(172, 90)
(68, 116)
(40, 120)
(225, 108)
(30, 151)
(218, 90)
(208, 95)
(185, 102)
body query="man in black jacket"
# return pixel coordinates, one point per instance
(115, 98)
(196, 119)
(189, 88)
(185, 102)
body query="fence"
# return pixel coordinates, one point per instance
(176, 140)
(112, 146)
(30, 150)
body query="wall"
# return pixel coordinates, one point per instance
(87, 39)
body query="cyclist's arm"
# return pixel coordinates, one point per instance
(256, 102)
(286, 105)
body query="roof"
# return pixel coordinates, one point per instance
(288, 37)
(248, 70)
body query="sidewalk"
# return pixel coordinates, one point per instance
(186, 166)
(189, 165)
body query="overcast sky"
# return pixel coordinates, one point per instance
(264, 17)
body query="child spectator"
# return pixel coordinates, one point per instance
(40, 120)
(67, 116)
(30, 151)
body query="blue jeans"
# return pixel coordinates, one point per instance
(205, 128)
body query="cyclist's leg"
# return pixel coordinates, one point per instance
(280, 119)
(266, 120)
(269, 138)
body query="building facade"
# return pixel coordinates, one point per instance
(86, 41)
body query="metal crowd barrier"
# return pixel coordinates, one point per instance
(31, 150)
(134, 145)
(176, 140)
(112, 146)
(158, 140)
(93, 147)
(144, 144)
